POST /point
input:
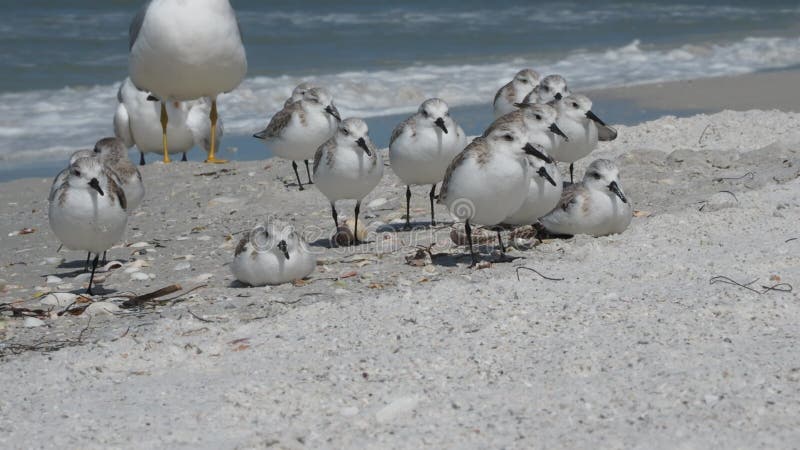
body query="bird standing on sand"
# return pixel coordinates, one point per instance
(422, 146)
(514, 91)
(88, 211)
(348, 167)
(296, 131)
(181, 50)
(488, 181)
(582, 127)
(137, 122)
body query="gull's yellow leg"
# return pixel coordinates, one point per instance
(164, 120)
(213, 116)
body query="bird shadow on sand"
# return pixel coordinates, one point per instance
(328, 243)
(399, 227)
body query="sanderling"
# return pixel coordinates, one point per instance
(114, 155)
(272, 254)
(596, 206)
(299, 92)
(488, 180)
(551, 87)
(137, 122)
(62, 176)
(88, 211)
(422, 146)
(296, 131)
(582, 127)
(348, 167)
(183, 50)
(545, 185)
(515, 91)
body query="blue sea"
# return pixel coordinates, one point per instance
(61, 61)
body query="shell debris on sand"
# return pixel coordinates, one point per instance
(344, 234)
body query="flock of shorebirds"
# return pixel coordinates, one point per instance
(184, 54)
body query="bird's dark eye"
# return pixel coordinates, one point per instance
(425, 113)
(345, 132)
(546, 89)
(524, 81)
(575, 105)
(77, 173)
(596, 175)
(538, 117)
(96, 150)
(508, 137)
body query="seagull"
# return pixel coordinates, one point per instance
(181, 50)
(137, 122)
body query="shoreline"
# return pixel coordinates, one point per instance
(629, 105)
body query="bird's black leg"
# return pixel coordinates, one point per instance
(432, 197)
(468, 229)
(335, 215)
(355, 227)
(408, 208)
(300, 183)
(184, 159)
(88, 258)
(308, 171)
(141, 159)
(500, 241)
(571, 166)
(91, 279)
(105, 261)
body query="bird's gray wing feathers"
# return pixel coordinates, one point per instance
(398, 130)
(136, 25)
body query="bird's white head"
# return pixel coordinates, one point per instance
(436, 113)
(552, 87)
(355, 133)
(603, 175)
(87, 173)
(526, 79)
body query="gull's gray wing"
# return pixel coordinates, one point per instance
(136, 25)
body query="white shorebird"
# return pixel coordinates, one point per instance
(422, 146)
(348, 167)
(551, 87)
(272, 254)
(114, 155)
(137, 122)
(296, 132)
(597, 206)
(582, 127)
(88, 211)
(488, 181)
(182, 50)
(514, 91)
(62, 176)
(545, 185)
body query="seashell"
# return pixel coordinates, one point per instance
(61, 299)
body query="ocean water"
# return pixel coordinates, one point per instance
(61, 62)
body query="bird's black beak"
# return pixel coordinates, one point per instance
(261, 135)
(594, 117)
(533, 151)
(152, 98)
(363, 144)
(554, 128)
(543, 173)
(558, 96)
(440, 123)
(330, 109)
(283, 248)
(614, 187)
(96, 186)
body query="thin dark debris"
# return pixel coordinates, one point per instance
(537, 273)
(780, 287)
(748, 175)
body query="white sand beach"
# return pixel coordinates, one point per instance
(634, 347)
